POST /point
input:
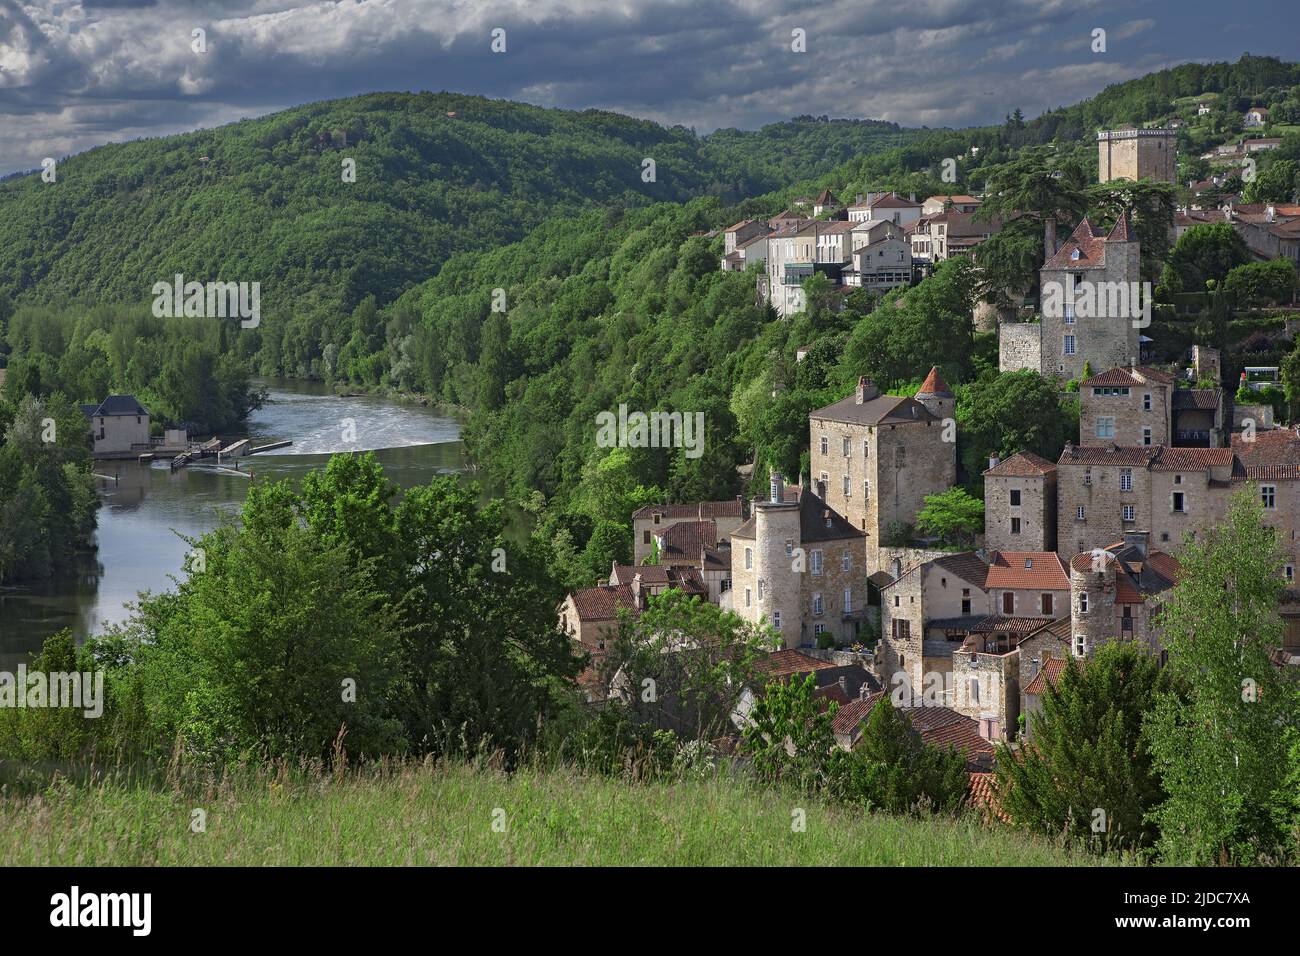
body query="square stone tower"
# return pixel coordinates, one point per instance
(1020, 504)
(1137, 154)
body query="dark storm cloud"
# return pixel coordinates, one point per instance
(75, 74)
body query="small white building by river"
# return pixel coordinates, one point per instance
(119, 426)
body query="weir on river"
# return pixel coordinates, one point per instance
(147, 507)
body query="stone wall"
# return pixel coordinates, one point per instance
(1020, 346)
(1036, 512)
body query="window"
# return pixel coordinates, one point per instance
(1146, 436)
(817, 603)
(1179, 502)
(848, 487)
(789, 547)
(1079, 514)
(866, 489)
(1146, 401)
(844, 445)
(1015, 497)
(748, 597)
(1047, 604)
(1268, 495)
(749, 559)
(1289, 571)
(1126, 479)
(657, 517)
(776, 620)
(760, 589)
(965, 600)
(816, 562)
(1178, 479)
(826, 445)
(901, 629)
(866, 448)
(1083, 602)
(846, 561)
(1079, 646)
(848, 600)
(1068, 345)
(1015, 526)
(645, 536)
(1105, 426)
(819, 629)
(895, 600)
(1130, 513)
(1008, 602)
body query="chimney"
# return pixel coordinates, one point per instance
(862, 389)
(844, 685)
(859, 202)
(1138, 540)
(1270, 213)
(993, 461)
(637, 601)
(776, 487)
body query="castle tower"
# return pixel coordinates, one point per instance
(1020, 504)
(777, 582)
(935, 395)
(1137, 154)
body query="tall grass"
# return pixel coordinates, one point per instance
(427, 814)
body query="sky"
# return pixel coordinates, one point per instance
(79, 73)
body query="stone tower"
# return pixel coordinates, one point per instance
(777, 581)
(1137, 154)
(1020, 504)
(935, 395)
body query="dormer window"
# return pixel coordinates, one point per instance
(1029, 563)
(1074, 255)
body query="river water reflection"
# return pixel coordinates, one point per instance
(145, 507)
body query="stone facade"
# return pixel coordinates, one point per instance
(1020, 346)
(1137, 154)
(875, 457)
(1101, 331)
(1020, 504)
(986, 688)
(800, 568)
(655, 519)
(1115, 593)
(1126, 406)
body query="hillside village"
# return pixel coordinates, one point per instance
(1074, 553)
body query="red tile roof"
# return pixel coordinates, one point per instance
(1139, 455)
(783, 663)
(1023, 464)
(1038, 570)
(1124, 376)
(1050, 673)
(602, 603)
(733, 508)
(1088, 241)
(1192, 459)
(984, 797)
(935, 385)
(682, 542)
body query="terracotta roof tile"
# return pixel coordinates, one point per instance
(935, 385)
(1023, 464)
(602, 603)
(786, 662)
(733, 508)
(1050, 673)
(1125, 376)
(984, 797)
(1038, 570)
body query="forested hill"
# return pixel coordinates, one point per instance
(265, 200)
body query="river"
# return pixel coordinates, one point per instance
(146, 508)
